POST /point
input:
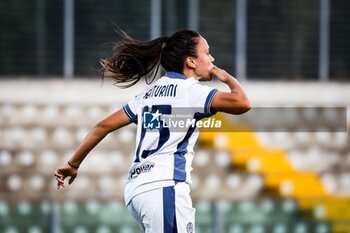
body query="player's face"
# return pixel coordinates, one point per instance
(204, 61)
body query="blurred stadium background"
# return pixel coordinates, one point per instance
(285, 53)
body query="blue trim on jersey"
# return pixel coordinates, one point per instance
(180, 160)
(175, 75)
(169, 211)
(208, 101)
(130, 114)
(180, 164)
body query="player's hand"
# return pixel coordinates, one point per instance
(64, 172)
(220, 74)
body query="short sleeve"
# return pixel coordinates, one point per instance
(131, 109)
(201, 97)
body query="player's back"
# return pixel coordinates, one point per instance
(166, 113)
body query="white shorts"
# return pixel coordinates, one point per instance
(164, 210)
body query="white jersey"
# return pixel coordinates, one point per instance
(164, 155)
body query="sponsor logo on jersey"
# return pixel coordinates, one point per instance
(135, 172)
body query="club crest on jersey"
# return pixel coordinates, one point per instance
(136, 171)
(189, 227)
(151, 120)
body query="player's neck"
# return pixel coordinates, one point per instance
(189, 73)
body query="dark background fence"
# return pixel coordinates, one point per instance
(282, 40)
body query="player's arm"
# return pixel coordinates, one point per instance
(234, 102)
(96, 134)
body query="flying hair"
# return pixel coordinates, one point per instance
(134, 59)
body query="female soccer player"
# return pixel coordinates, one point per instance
(157, 189)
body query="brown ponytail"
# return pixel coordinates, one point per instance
(133, 59)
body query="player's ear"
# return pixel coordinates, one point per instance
(190, 62)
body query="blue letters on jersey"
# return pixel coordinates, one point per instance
(161, 91)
